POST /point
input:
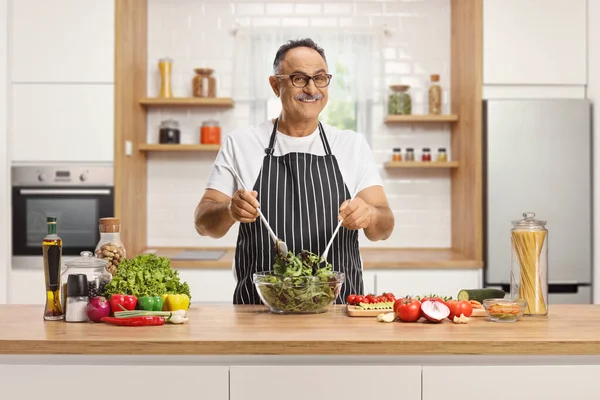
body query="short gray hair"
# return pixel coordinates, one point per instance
(292, 44)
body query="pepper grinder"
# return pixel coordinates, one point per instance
(77, 298)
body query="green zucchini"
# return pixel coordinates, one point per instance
(481, 294)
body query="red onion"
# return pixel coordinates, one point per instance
(97, 308)
(434, 311)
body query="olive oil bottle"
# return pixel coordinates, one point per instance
(52, 250)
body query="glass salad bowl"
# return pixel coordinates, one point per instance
(505, 310)
(298, 294)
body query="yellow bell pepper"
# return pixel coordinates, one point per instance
(174, 302)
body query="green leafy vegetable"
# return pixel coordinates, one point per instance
(299, 283)
(146, 275)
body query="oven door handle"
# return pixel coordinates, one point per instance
(65, 191)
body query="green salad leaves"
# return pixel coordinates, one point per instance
(300, 284)
(146, 275)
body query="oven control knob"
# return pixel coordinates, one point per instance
(83, 177)
(41, 177)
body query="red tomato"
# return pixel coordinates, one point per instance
(351, 298)
(459, 307)
(390, 296)
(432, 297)
(359, 299)
(382, 298)
(372, 299)
(408, 309)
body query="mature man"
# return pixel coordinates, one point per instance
(302, 174)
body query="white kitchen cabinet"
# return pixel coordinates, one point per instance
(511, 382)
(62, 41)
(62, 123)
(27, 286)
(97, 382)
(534, 42)
(324, 382)
(444, 282)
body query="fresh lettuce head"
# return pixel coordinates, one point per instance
(146, 275)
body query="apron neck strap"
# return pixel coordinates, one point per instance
(271, 149)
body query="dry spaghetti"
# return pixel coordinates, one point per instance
(528, 246)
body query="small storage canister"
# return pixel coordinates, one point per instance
(397, 154)
(93, 268)
(410, 154)
(169, 132)
(442, 156)
(399, 100)
(426, 154)
(77, 298)
(110, 247)
(529, 264)
(210, 133)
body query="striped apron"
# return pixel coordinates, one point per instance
(300, 195)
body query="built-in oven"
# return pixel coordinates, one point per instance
(77, 195)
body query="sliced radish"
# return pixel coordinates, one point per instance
(434, 311)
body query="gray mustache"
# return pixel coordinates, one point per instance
(304, 97)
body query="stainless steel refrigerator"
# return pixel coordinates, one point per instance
(537, 157)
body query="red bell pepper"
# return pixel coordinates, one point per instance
(127, 301)
(135, 321)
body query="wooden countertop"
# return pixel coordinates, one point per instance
(373, 258)
(252, 330)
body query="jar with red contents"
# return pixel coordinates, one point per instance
(210, 133)
(426, 154)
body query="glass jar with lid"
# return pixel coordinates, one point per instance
(169, 132)
(110, 247)
(94, 269)
(399, 100)
(210, 132)
(529, 264)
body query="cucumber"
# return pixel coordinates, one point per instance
(481, 294)
(387, 305)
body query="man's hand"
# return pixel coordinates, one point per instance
(244, 206)
(369, 211)
(356, 214)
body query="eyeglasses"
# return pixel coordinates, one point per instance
(301, 80)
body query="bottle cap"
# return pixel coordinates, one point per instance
(51, 219)
(110, 225)
(425, 148)
(77, 285)
(435, 77)
(397, 149)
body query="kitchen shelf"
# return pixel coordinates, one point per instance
(373, 258)
(178, 147)
(421, 164)
(391, 119)
(188, 102)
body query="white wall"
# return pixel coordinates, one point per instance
(196, 35)
(4, 182)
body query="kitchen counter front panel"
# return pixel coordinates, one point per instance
(224, 329)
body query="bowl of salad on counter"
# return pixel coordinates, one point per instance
(299, 284)
(504, 310)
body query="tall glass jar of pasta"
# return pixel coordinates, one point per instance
(529, 264)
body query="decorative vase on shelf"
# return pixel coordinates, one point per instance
(165, 66)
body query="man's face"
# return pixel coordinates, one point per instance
(301, 102)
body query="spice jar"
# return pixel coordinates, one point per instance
(435, 95)
(165, 66)
(97, 277)
(397, 154)
(410, 154)
(204, 84)
(442, 156)
(210, 132)
(426, 154)
(169, 131)
(77, 298)
(110, 247)
(399, 101)
(529, 264)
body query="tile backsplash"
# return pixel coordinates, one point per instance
(202, 34)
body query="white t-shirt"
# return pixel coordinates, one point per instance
(244, 150)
